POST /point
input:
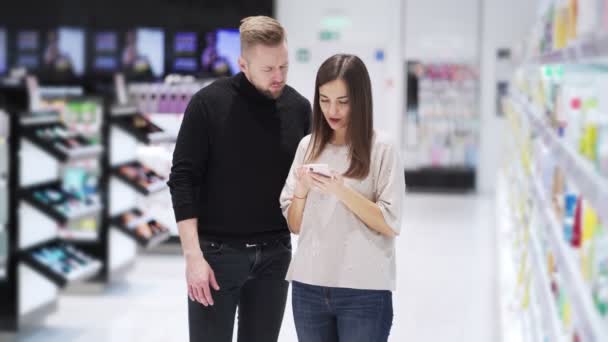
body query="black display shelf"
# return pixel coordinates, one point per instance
(38, 118)
(441, 179)
(142, 129)
(135, 182)
(50, 207)
(131, 228)
(56, 148)
(60, 262)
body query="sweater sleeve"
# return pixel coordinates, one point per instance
(390, 187)
(189, 161)
(290, 184)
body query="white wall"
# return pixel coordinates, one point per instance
(439, 30)
(372, 25)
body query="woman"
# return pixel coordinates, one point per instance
(344, 269)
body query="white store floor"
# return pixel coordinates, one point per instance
(446, 286)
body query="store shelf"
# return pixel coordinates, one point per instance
(80, 210)
(118, 110)
(138, 183)
(57, 149)
(131, 228)
(585, 316)
(61, 263)
(585, 50)
(543, 289)
(142, 129)
(579, 170)
(38, 118)
(78, 236)
(511, 315)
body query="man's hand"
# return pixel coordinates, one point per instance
(199, 276)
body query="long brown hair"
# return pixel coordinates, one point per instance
(360, 129)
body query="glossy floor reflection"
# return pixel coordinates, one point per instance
(446, 286)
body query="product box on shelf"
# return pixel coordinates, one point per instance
(146, 230)
(63, 262)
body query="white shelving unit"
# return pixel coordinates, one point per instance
(579, 170)
(585, 317)
(543, 289)
(593, 187)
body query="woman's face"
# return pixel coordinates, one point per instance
(335, 104)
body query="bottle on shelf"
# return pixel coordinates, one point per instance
(600, 275)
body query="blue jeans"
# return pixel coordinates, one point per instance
(329, 314)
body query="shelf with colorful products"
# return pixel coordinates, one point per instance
(580, 268)
(569, 31)
(164, 105)
(442, 126)
(61, 262)
(164, 97)
(147, 231)
(532, 312)
(539, 309)
(41, 200)
(570, 113)
(133, 184)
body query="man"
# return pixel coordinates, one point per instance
(233, 153)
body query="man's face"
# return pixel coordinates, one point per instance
(266, 68)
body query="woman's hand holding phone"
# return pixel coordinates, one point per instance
(333, 184)
(303, 182)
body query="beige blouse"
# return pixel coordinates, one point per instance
(335, 248)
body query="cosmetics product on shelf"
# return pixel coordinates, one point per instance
(67, 204)
(61, 138)
(560, 25)
(572, 19)
(570, 204)
(143, 226)
(590, 223)
(600, 275)
(169, 98)
(143, 125)
(85, 229)
(142, 176)
(62, 259)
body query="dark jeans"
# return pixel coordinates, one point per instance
(251, 278)
(328, 314)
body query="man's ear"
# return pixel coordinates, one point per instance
(243, 64)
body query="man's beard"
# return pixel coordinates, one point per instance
(269, 94)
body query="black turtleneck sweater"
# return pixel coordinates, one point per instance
(233, 153)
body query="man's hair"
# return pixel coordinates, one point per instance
(260, 30)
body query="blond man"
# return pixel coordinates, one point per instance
(233, 154)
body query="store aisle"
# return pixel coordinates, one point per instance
(446, 286)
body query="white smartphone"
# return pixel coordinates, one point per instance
(322, 169)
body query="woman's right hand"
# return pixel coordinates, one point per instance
(303, 182)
